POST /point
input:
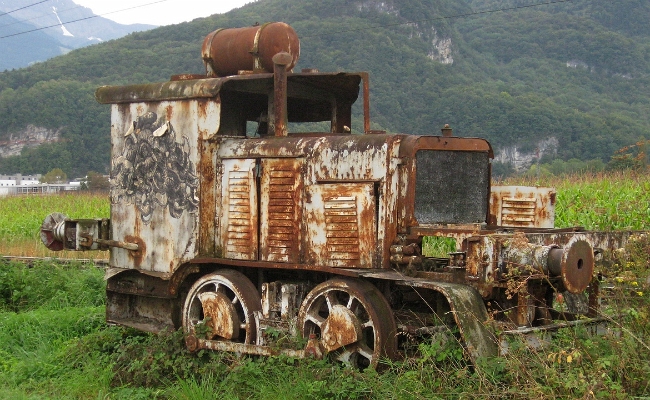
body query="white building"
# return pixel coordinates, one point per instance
(26, 184)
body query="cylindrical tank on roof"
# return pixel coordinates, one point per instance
(229, 51)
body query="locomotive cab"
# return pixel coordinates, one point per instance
(247, 103)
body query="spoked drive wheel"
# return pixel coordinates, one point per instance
(220, 306)
(353, 321)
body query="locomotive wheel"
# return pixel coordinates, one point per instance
(220, 306)
(353, 320)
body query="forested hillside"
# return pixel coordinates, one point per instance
(576, 71)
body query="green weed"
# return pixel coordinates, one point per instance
(434, 246)
(49, 285)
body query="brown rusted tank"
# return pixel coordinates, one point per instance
(229, 51)
(232, 224)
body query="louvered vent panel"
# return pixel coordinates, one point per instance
(240, 230)
(282, 240)
(518, 211)
(342, 226)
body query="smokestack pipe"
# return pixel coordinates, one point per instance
(447, 131)
(280, 62)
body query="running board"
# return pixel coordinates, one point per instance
(540, 336)
(194, 344)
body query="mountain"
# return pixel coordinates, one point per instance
(560, 80)
(36, 31)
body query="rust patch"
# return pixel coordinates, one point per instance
(352, 318)
(201, 110)
(342, 225)
(192, 343)
(207, 206)
(180, 275)
(522, 206)
(169, 112)
(239, 201)
(137, 255)
(279, 121)
(577, 266)
(187, 77)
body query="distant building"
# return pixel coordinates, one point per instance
(30, 184)
(19, 179)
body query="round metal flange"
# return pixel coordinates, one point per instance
(577, 265)
(53, 231)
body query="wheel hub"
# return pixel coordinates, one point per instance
(340, 329)
(221, 316)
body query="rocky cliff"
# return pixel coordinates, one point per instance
(31, 136)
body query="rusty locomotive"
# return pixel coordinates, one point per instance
(243, 203)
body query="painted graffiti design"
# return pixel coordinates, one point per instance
(154, 170)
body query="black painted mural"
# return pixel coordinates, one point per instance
(154, 170)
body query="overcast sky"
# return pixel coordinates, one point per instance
(159, 12)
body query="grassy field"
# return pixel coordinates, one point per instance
(54, 343)
(21, 218)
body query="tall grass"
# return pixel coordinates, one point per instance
(44, 309)
(49, 286)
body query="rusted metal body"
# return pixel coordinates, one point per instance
(232, 223)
